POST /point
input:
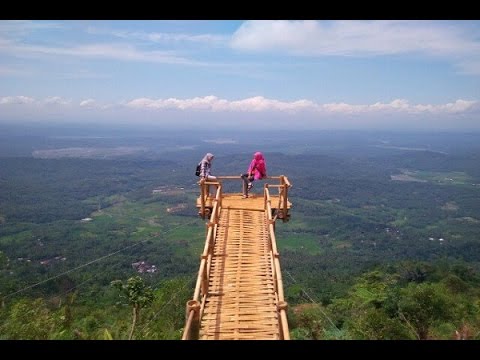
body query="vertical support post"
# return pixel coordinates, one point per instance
(285, 198)
(282, 309)
(265, 187)
(204, 276)
(202, 198)
(192, 314)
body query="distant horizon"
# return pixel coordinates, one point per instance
(234, 75)
(84, 129)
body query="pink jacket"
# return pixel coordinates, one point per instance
(258, 167)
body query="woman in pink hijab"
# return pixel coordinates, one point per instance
(256, 171)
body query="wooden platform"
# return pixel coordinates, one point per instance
(239, 289)
(241, 300)
(253, 202)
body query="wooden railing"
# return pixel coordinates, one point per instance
(283, 186)
(282, 206)
(194, 307)
(276, 272)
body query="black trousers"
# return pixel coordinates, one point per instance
(246, 180)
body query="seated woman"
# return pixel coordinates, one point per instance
(206, 168)
(257, 170)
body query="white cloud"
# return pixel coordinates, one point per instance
(457, 107)
(258, 111)
(471, 66)
(87, 103)
(15, 41)
(84, 74)
(262, 104)
(257, 104)
(124, 52)
(213, 103)
(207, 39)
(401, 106)
(56, 100)
(16, 100)
(21, 27)
(363, 38)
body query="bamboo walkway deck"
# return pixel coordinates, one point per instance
(241, 301)
(254, 202)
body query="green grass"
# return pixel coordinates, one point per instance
(303, 242)
(444, 178)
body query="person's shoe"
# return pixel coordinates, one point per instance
(244, 196)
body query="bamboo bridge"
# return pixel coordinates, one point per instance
(239, 289)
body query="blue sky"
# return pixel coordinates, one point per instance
(237, 74)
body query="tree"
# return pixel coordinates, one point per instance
(138, 296)
(420, 305)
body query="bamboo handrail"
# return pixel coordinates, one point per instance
(201, 285)
(277, 271)
(196, 305)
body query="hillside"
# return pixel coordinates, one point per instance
(382, 243)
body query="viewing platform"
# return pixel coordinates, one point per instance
(239, 289)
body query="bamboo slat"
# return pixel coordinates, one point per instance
(241, 300)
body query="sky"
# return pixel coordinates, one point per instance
(261, 74)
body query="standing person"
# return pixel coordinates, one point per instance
(205, 169)
(257, 170)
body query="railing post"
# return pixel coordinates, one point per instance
(192, 314)
(202, 198)
(282, 309)
(204, 276)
